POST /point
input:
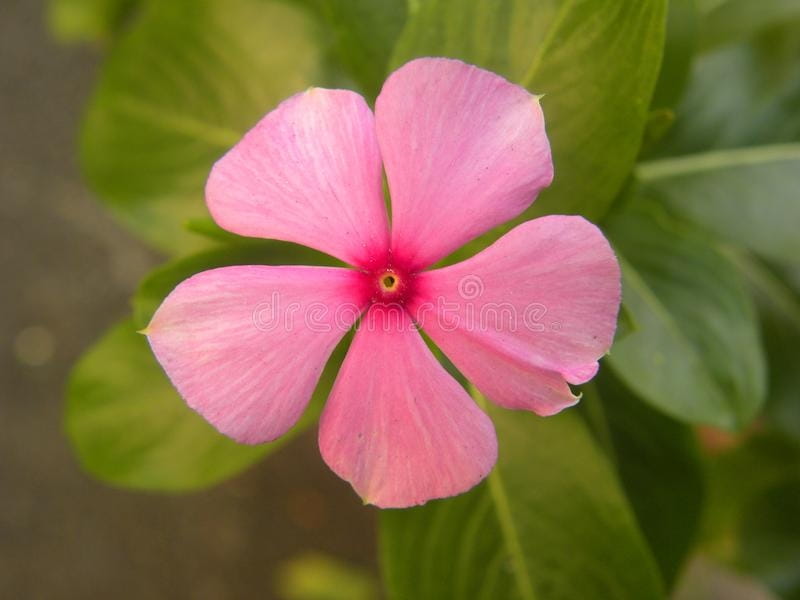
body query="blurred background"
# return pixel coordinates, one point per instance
(68, 271)
(287, 527)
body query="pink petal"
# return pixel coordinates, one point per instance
(464, 150)
(397, 426)
(505, 380)
(581, 374)
(245, 346)
(537, 307)
(308, 172)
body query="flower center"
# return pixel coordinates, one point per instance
(389, 282)
(391, 286)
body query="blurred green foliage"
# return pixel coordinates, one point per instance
(316, 576)
(749, 195)
(129, 426)
(551, 521)
(659, 465)
(359, 36)
(89, 20)
(178, 89)
(675, 126)
(694, 368)
(127, 423)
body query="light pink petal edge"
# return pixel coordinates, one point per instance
(309, 172)
(503, 379)
(533, 311)
(397, 426)
(245, 346)
(464, 150)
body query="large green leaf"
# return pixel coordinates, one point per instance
(696, 353)
(596, 62)
(744, 94)
(125, 419)
(732, 20)
(314, 576)
(770, 539)
(363, 34)
(129, 427)
(748, 196)
(679, 47)
(550, 522)
(782, 343)
(659, 464)
(176, 92)
(737, 479)
(88, 20)
(779, 307)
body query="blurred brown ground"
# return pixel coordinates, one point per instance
(66, 273)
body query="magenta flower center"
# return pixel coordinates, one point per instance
(391, 285)
(389, 282)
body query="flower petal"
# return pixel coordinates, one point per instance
(503, 379)
(245, 346)
(464, 150)
(537, 307)
(397, 426)
(308, 172)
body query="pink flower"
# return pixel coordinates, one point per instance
(464, 150)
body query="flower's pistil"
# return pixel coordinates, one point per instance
(391, 286)
(389, 282)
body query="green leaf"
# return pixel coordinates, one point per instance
(129, 427)
(737, 478)
(155, 287)
(779, 307)
(679, 47)
(658, 124)
(550, 522)
(747, 196)
(746, 94)
(782, 343)
(88, 20)
(733, 20)
(770, 539)
(314, 576)
(177, 91)
(596, 62)
(696, 353)
(208, 227)
(363, 34)
(126, 421)
(625, 322)
(659, 464)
